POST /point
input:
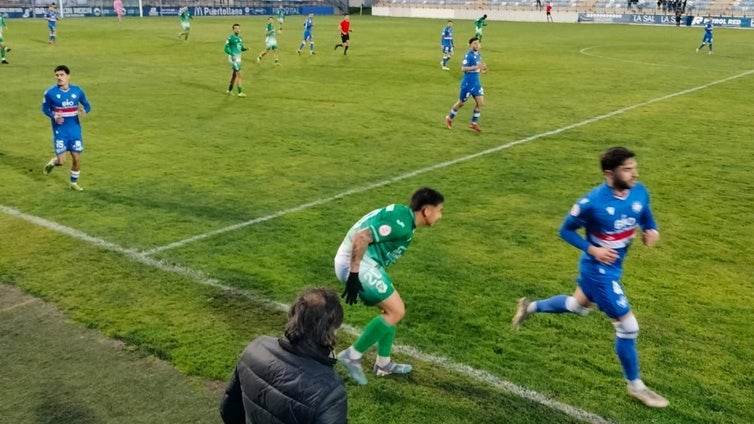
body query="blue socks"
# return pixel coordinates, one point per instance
(629, 358)
(554, 305)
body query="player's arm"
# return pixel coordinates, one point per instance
(84, 102)
(569, 232)
(649, 233)
(361, 240)
(47, 106)
(477, 66)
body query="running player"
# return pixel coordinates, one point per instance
(446, 42)
(3, 48)
(281, 18)
(345, 33)
(470, 86)
(374, 242)
(52, 17)
(185, 16)
(308, 37)
(233, 48)
(478, 25)
(270, 42)
(707, 39)
(65, 104)
(119, 10)
(612, 214)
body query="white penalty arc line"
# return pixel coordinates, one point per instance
(199, 277)
(435, 167)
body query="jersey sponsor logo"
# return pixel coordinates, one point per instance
(67, 103)
(384, 230)
(637, 207)
(624, 222)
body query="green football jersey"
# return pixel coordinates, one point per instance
(234, 45)
(479, 23)
(392, 229)
(2, 25)
(270, 30)
(185, 16)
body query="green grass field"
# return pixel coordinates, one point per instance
(323, 139)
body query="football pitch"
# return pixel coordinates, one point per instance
(204, 214)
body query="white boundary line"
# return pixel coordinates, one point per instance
(441, 165)
(199, 277)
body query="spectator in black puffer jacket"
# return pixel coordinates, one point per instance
(291, 379)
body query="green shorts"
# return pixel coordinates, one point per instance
(376, 283)
(235, 65)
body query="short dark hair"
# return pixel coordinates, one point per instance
(472, 39)
(63, 68)
(314, 318)
(235, 25)
(425, 196)
(614, 157)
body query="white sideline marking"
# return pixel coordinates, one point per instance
(434, 167)
(201, 278)
(18, 305)
(585, 52)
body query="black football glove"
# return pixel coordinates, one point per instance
(353, 287)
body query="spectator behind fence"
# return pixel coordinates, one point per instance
(291, 379)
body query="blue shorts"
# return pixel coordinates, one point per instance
(62, 145)
(467, 90)
(447, 49)
(307, 35)
(707, 39)
(51, 26)
(607, 292)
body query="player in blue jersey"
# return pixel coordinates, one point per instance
(611, 214)
(65, 104)
(446, 42)
(308, 37)
(52, 17)
(374, 242)
(707, 39)
(470, 86)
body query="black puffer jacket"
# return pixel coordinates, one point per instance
(274, 382)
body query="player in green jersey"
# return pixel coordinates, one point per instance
(270, 42)
(478, 24)
(281, 18)
(3, 48)
(185, 16)
(233, 48)
(376, 241)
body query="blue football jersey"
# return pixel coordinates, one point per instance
(472, 58)
(447, 36)
(65, 103)
(609, 221)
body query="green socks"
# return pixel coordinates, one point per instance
(377, 331)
